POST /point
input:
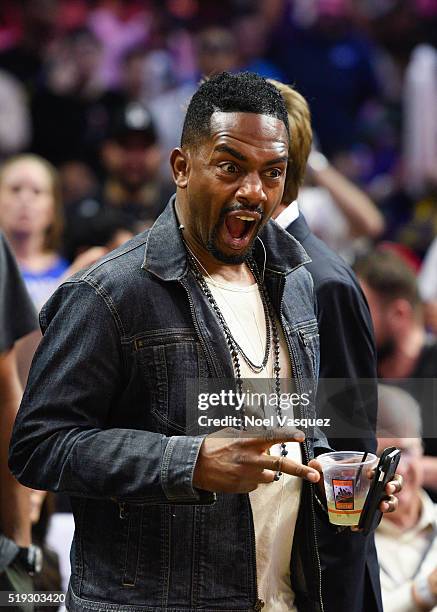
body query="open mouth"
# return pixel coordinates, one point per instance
(240, 227)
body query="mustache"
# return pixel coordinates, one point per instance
(240, 208)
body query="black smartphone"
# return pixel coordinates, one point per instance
(385, 471)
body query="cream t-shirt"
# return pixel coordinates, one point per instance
(274, 505)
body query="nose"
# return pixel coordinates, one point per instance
(251, 190)
(24, 196)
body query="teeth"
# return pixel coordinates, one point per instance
(243, 218)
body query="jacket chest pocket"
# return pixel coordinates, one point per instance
(172, 366)
(309, 341)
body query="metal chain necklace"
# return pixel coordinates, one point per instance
(234, 348)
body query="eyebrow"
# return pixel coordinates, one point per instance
(278, 160)
(223, 148)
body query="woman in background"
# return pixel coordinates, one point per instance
(32, 220)
(31, 216)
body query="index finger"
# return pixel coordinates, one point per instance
(287, 466)
(274, 436)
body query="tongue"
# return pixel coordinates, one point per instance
(236, 227)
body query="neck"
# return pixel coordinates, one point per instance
(408, 515)
(26, 247)
(402, 363)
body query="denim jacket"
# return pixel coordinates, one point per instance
(103, 419)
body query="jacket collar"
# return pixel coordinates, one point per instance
(299, 228)
(165, 254)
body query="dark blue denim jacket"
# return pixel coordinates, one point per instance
(103, 419)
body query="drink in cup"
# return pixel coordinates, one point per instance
(347, 483)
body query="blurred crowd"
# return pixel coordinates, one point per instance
(98, 90)
(92, 99)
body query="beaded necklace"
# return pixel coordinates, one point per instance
(234, 347)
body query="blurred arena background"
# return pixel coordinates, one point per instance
(99, 89)
(92, 99)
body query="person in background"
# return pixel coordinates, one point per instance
(337, 211)
(17, 319)
(331, 62)
(77, 181)
(70, 108)
(216, 49)
(406, 540)
(26, 58)
(31, 217)
(347, 354)
(131, 157)
(15, 123)
(251, 31)
(406, 353)
(427, 281)
(109, 228)
(118, 26)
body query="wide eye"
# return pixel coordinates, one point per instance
(274, 173)
(229, 167)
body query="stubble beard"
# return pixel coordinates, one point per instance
(237, 259)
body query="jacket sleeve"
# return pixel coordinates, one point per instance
(61, 439)
(348, 379)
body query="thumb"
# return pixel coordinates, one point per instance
(316, 465)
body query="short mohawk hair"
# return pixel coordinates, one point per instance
(243, 92)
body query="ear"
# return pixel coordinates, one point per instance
(180, 165)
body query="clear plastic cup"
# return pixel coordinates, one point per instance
(347, 483)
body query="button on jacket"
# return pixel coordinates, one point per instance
(104, 419)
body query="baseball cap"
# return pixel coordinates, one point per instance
(134, 118)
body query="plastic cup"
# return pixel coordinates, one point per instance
(347, 483)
